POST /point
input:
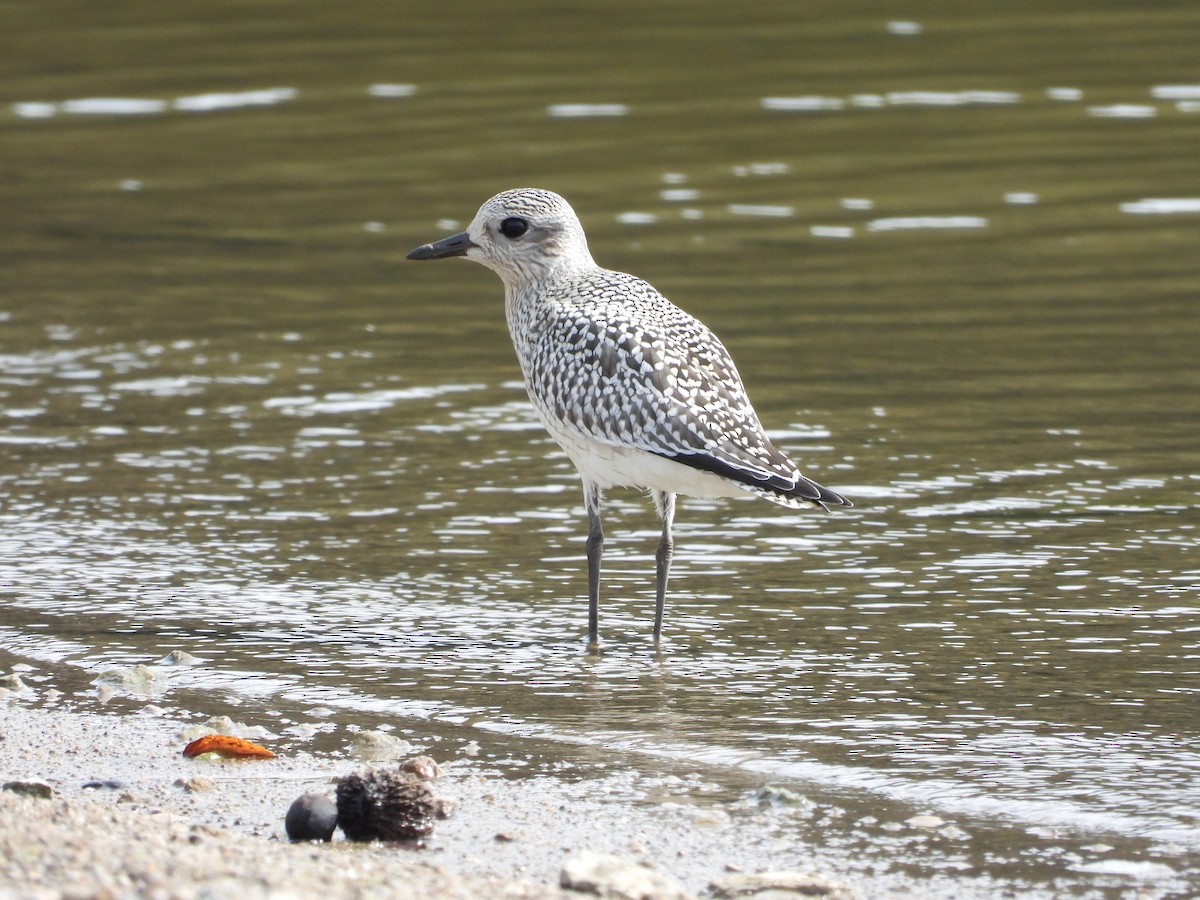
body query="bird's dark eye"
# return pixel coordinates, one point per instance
(513, 227)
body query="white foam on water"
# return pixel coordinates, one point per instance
(679, 195)
(903, 223)
(952, 98)
(586, 110)
(637, 218)
(113, 106)
(234, 99)
(832, 231)
(1175, 92)
(1162, 206)
(1123, 111)
(392, 90)
(803, 104)
(1064, 94)
(34, 110)
(755, 209)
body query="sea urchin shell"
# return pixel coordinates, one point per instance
(385, 805)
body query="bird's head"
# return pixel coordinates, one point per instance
(525, 236)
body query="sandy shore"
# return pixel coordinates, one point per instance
(152, 833)
(131, 817)
(71, 848)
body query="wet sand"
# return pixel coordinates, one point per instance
(156, 829)
(130, 816)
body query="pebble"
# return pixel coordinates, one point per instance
(423, 767)
(179, 658)
(197, 784)
(110, 784)
(39, 789)
(311, 817)
(13, 682)
(618, 879)
(778, 885)
(376, 746)
(925, 821)
(774, 796)
(1138, 869)
(139, 678)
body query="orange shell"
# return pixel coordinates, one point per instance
(227, 746)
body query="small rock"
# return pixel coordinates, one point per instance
(772, 796)
(1143, 870)
(179, 658)
(925, 821)
(311, 817)
(614, 878)
(443, 807)
(39, 789)
(377, 746)
(13, 682)
(197, 784)
(504, 837)
(191, 732)
(423, 767)
(779, 884)
(139, 679)
(105, 785)
(386, 805)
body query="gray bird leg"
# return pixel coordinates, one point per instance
(665, 503)
(595, 550)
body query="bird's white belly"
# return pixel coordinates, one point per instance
(608, 466)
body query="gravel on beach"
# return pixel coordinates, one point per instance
(104, 804)
(76, 848)
(127, 819)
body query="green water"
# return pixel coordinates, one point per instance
(237, 422)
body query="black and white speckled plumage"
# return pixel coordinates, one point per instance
(636, 391)
(606, 355)
(611, 357)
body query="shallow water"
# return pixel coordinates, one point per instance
(236, 422)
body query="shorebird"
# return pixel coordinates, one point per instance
(637, 392)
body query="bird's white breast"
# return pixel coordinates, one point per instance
(607, 465)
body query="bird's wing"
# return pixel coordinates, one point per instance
(624, 365)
